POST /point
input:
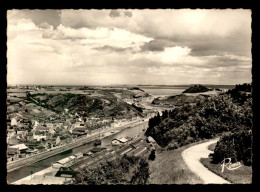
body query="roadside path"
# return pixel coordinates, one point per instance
(192, 156)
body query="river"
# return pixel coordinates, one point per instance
(106, 142)
(161, 91)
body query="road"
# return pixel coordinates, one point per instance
(192, 156)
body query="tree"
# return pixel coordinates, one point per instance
(152, 155)
(141, 175)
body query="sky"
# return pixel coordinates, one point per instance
(124, 46)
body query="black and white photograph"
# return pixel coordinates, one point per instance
(129, 96)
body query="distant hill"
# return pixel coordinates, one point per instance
(101, 104)
(197, 89)
(178, 100)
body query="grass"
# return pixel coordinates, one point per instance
(241, 175)
(169, 168)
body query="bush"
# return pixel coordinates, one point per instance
(142, 174)
(237, 146)
(152, 155)
(125, 170)
(229, 113)
(172, 146)
(224, 149)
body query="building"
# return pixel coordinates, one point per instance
(13, 122)
(119, 141)
(20, 148)
(151, 140)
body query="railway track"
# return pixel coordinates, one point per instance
(13, 165)
(106, 155)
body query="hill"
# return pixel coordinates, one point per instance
(99, 104)
(206, 119)
(197, 89)
(179, 100)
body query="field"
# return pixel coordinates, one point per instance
(242, 175)
(169, 168)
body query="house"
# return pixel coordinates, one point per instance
(49, 125)
(12, 154)
(12, 151)
(13, 141)
(35, 123)
(21, 148)
(57, 140)
(22, 134)
(51, 131)
(39, 136)
(32, 144)
(30, 136)
(42, 129)
(10, 133)
(150, 140)
(13, 122)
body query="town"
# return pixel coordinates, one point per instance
(34, 129)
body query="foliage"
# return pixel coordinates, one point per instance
(196, 89)
(208, 118)
(141, 175)
(105, 105)
(236, 145)
(125, 170)
(152, 155)
(239, 93)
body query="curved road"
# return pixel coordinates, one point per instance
(192, 156)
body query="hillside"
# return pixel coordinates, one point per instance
(179, 100)
(100, 103)
(213, 116)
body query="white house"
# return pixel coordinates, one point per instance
(21, 147)
(58, 140)
(13, 122)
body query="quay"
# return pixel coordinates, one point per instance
(13, 165)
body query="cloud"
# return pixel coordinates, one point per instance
(157, 45)
(112, 48)
(46, 25)
(114, 13)
(71, 33)
(192, 28)
(133, 46)
(128, 13)
(118, 13)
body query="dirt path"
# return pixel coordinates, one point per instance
(192, 156)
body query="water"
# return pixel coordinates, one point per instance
(176, 90)
(164, 90)
(26, 171)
